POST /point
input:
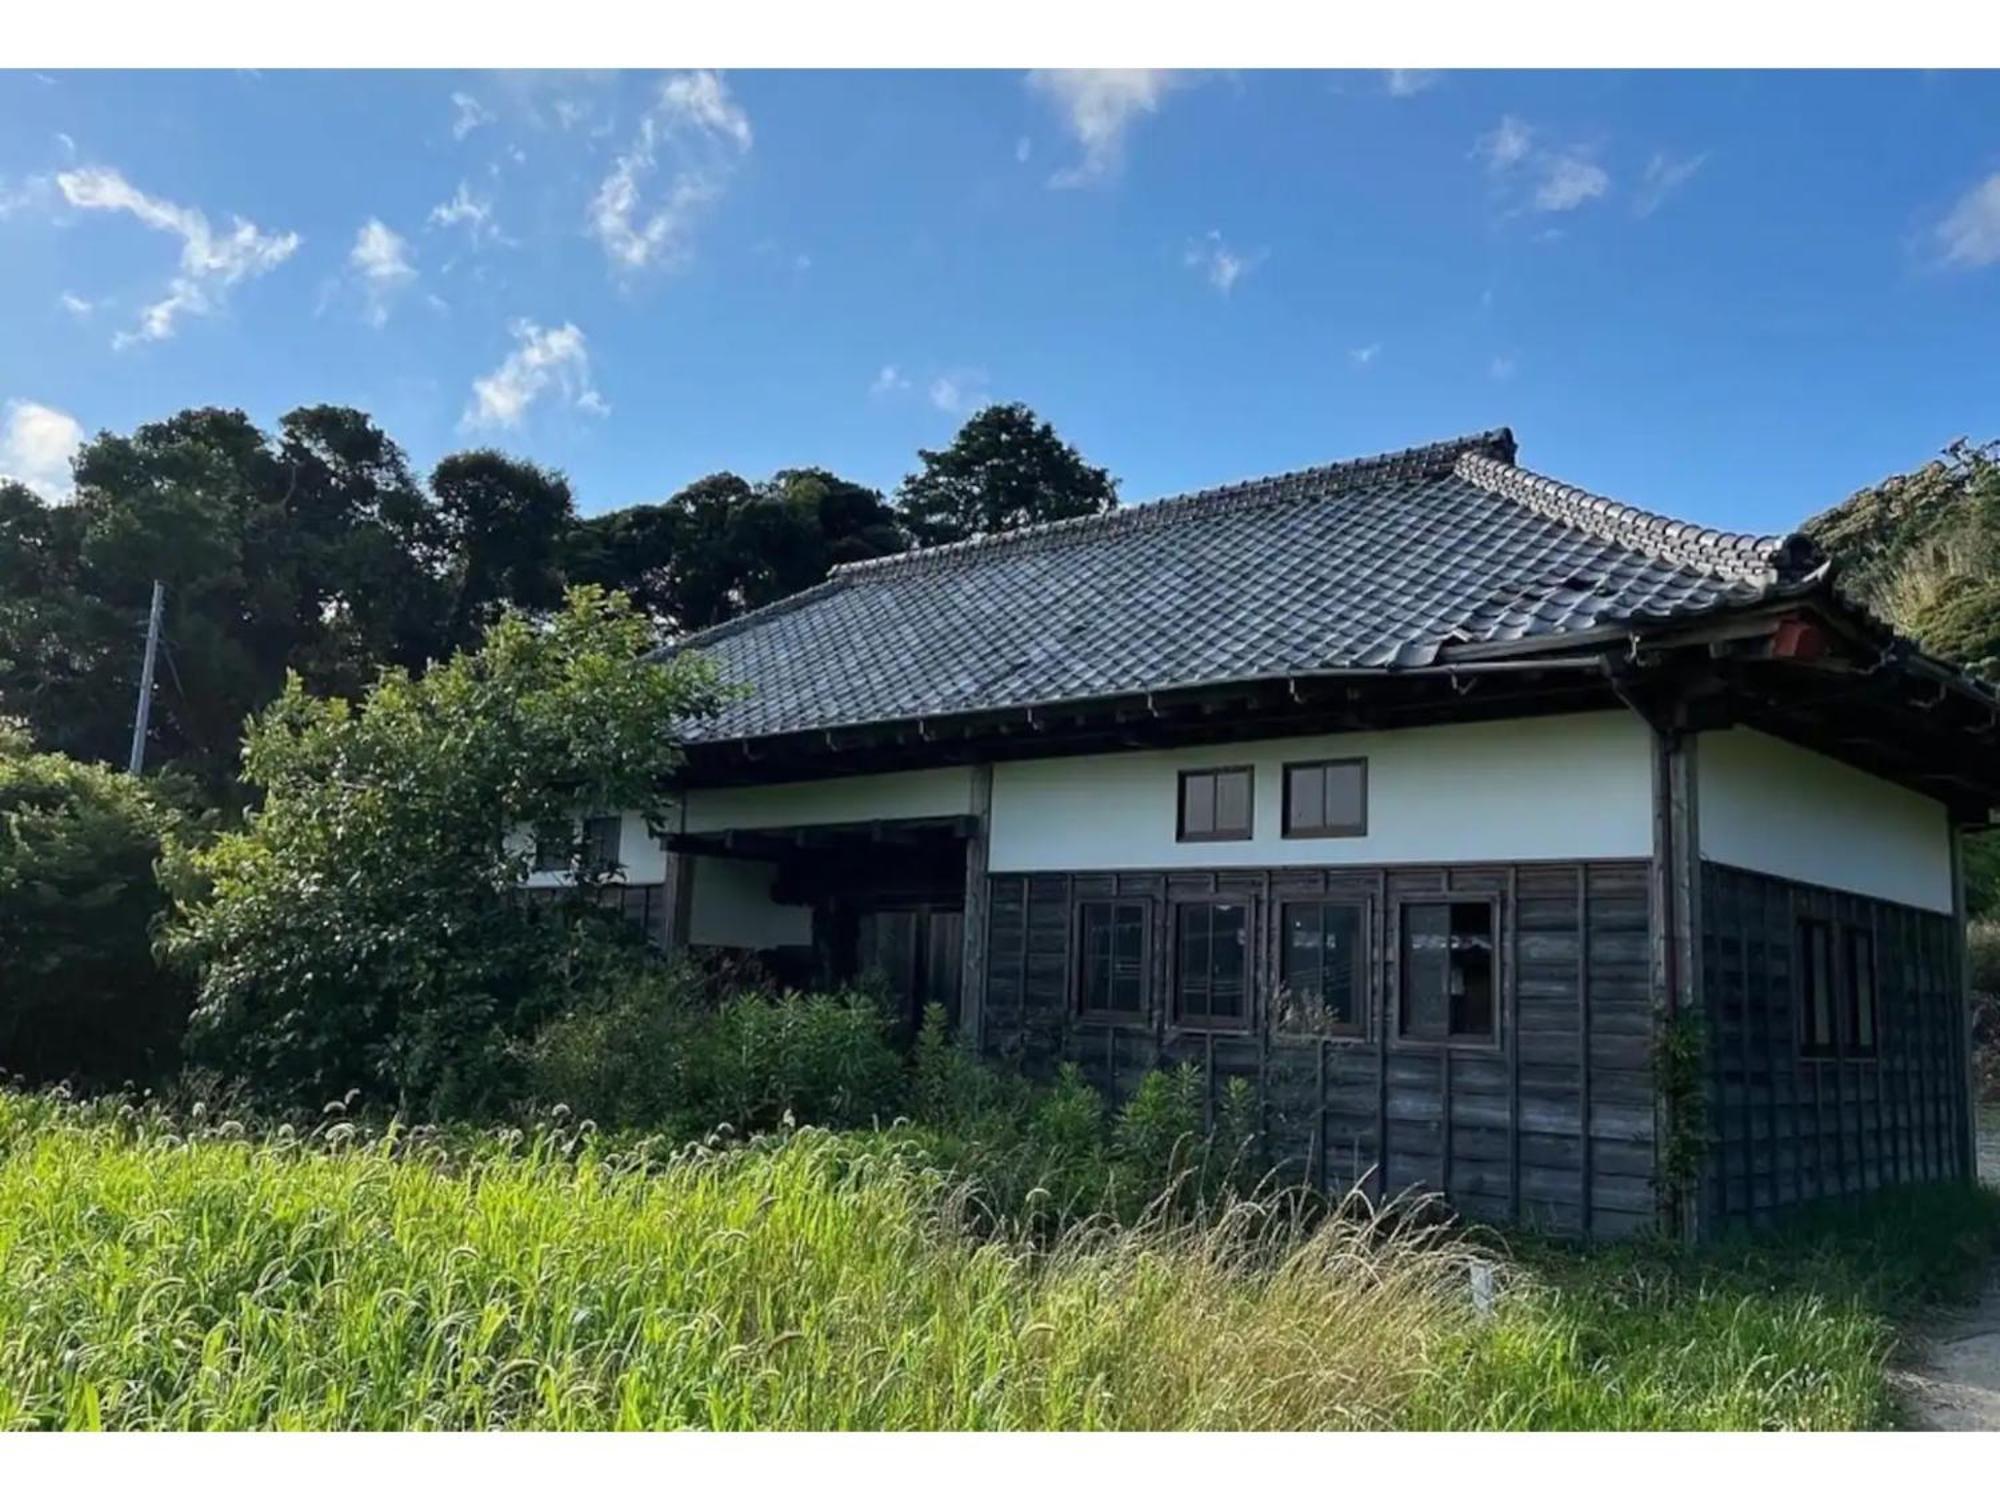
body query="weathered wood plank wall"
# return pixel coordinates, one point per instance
(1552, 1126)
(1787, 1128)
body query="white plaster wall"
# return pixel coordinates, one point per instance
(732, 907)
(643, 858)
(944, 791)
(1570, 787)
(1767, 805)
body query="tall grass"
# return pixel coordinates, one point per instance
(182, 1274)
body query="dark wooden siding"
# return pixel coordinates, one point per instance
(1787, 1128)
(1553, 1126)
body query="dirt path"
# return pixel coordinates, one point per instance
(1952, 1383)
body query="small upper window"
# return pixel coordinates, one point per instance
(1320, 970)
(1450, 974)
(1326, 799)
(1860, 992)
(1817, 1020)
(554, 847)
(600, 842)
(1212, 963)
(1215, 804)
(1111, 958)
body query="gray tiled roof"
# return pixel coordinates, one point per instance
(1377, 562)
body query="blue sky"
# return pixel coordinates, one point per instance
(1734, 297)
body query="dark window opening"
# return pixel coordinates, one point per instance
(555, 847)
(1212, 963)
(1215, 805)
(601, 843)
(1861, 1040)
(1321, 973)
(1111, 959)
(1449, 979)
(1816, 1003)
(1326, 799)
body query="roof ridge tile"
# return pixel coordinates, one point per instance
(1727, 554)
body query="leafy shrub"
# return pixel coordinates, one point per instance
(365, 929)
(80, 994)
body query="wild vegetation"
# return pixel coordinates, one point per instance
(184, 1272)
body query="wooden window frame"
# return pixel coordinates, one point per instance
(617, 861)
(1324, 830)
(1364, 968)
(1848, 1027)
(553, 854)
(1142, 1017)
(1177, 1019)
(1809, 1050)
(1392, 1020)
(1216, 836)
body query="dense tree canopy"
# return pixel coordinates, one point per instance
(316, 550)
(1006, 469)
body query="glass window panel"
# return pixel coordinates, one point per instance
(601, 837)
(1320, 967)
(1861, 986)
(1229, 937)
(1113, 958)
(1471, 977)
(1345, 787)
(1426, 969)
(1197, 804)
(1232, 802)
(1307, 793)
(1450, 971)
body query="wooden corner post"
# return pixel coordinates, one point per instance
(972, 971)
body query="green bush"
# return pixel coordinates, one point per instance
(80, 994)
(366, 928)
(652, 1050)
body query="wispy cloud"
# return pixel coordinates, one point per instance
(1969, 235)
(1664, 176)
(1404, 83)
(1364, 356)
(1554, 179)
(466, 210)
(704, 134)
(544, 362)
(380, 260)
(1221, 265)
(75, 306)
(1098, 107)
(468, 114)
(959, 391)
(209, 263)
(1501, 367)
(888, 379)
(36, 444)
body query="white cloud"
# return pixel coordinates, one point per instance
(30, 192)
(1214, 258)
(1569, 180)
(1100, 105)
(1364, 356)
(1664, 176)
(1501, 367)
(209, 263)
(75, 306)
(1505, 145)
(468, 114)
(381, 259)
(1023, 148)
(889, 378)
(959, 391)
(544, 361)
(1403, 83)
(475, 214)
(705, 134)
(36, 443)
(1970, 234)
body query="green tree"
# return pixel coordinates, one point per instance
(80, 995)
(365, 928)
(506, 521)
(1006, 469)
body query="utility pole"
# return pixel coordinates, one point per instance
(138, 762)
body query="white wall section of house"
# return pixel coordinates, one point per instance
(732, 907)
(943, 791)
(1773, 807)
(1575, 786)
(641, 855)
